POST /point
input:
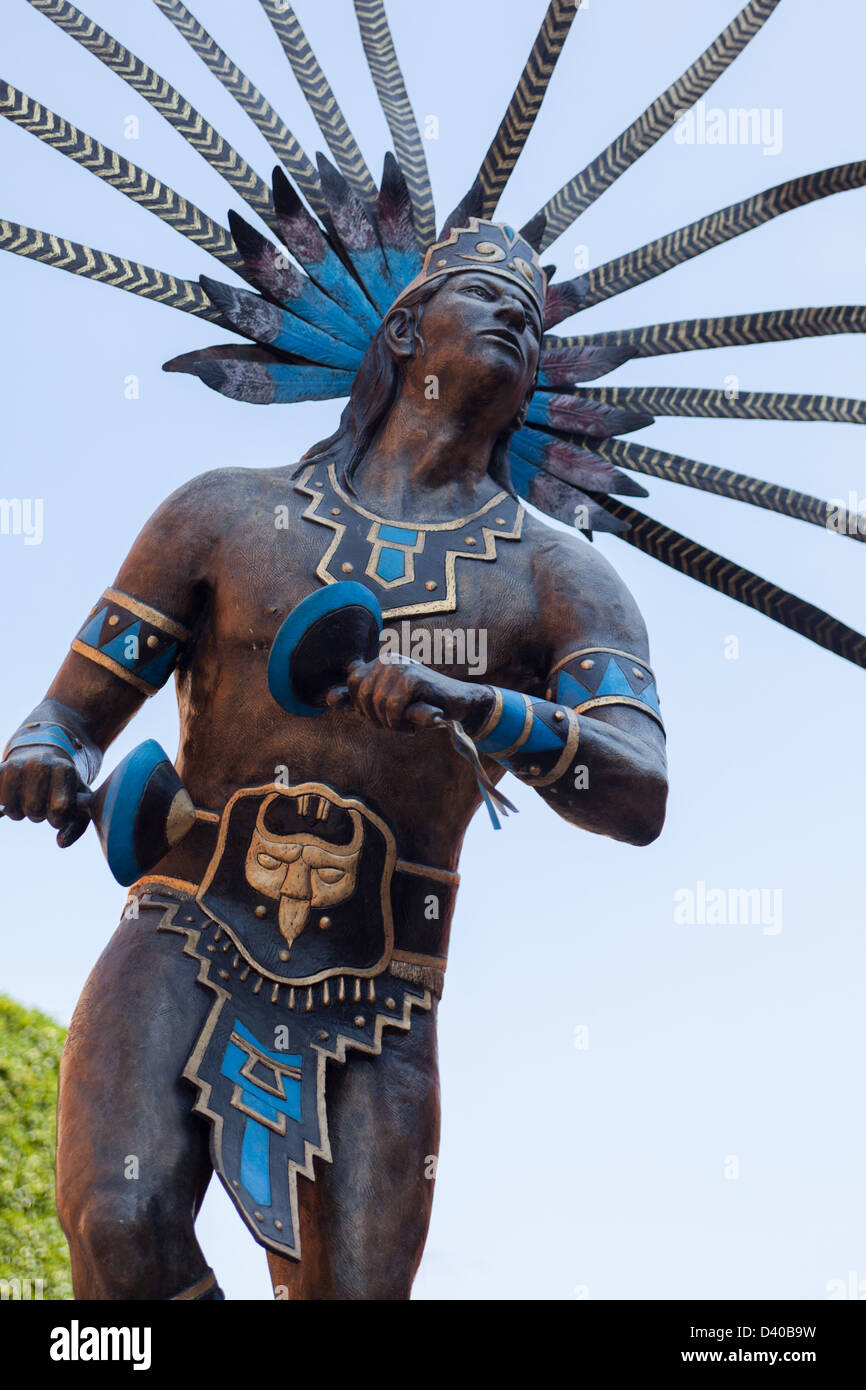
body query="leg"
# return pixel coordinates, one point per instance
(132, 1158)
(363, 1222)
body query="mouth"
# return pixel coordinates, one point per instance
(504, 335)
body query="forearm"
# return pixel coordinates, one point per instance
(604, 778)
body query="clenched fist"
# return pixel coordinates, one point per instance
(402, 694)
(42, 783)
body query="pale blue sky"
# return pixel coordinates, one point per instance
(561, 1169)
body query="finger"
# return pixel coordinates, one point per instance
(10, 790)
(424, 716)
(397, 699)
(34, 790)
(390, 695)
(338, 697)
(363, 696)
(355, 673)
(73, 831)
(61, 794)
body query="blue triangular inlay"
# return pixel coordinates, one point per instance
(571, 692)
(157, 672)
(116, 649)
(91, 631)
(614, 682)
(650, 697)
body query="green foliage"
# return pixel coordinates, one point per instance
(32, 1245)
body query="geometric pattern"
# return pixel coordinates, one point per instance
(132, 640)
(599, 675)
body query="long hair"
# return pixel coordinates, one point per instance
(374, 391)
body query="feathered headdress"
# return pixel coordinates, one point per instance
(339, 259)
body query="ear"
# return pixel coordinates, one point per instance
(400, 334)
(520, 417)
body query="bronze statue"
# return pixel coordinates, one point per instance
(268, 1008)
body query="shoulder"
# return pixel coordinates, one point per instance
(202, 509)
(580, 594)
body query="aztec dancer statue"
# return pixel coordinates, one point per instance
(271, 1011)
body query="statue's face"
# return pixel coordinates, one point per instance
(487, 327)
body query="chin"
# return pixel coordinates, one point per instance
(498, 363)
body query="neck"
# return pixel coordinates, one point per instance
(427, 461)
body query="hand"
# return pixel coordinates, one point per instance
(42, 783)
(403, 695)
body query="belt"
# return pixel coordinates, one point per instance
(263, 869)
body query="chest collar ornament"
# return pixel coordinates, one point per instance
(411, 566)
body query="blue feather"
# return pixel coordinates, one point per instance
(258, 319)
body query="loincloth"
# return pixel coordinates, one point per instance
(313, 937)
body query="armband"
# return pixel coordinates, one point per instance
(594, 677)
(132, 640)
(532, 738)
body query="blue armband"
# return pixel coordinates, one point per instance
(532, 738)
(594, 677)
(132, 640)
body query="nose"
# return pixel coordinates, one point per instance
(512, 312)
(297, 882)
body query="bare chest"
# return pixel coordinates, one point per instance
(459, 598)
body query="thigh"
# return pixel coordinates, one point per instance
(132, 1158)
(363, 1222)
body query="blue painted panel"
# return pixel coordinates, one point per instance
(400, 534)
(391, 564)
(255, 1170)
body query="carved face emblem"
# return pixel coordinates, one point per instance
(303, 871)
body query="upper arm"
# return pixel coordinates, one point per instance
(145, 622)
(597, 644)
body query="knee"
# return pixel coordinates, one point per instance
(115, 1243)
(103, 1221)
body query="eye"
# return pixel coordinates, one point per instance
(268, 861)
(331, 875)
(481, 290)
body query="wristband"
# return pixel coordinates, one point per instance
(50, 735)
(47, 734)
(532, 738)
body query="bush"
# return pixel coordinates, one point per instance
(32, 1245)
